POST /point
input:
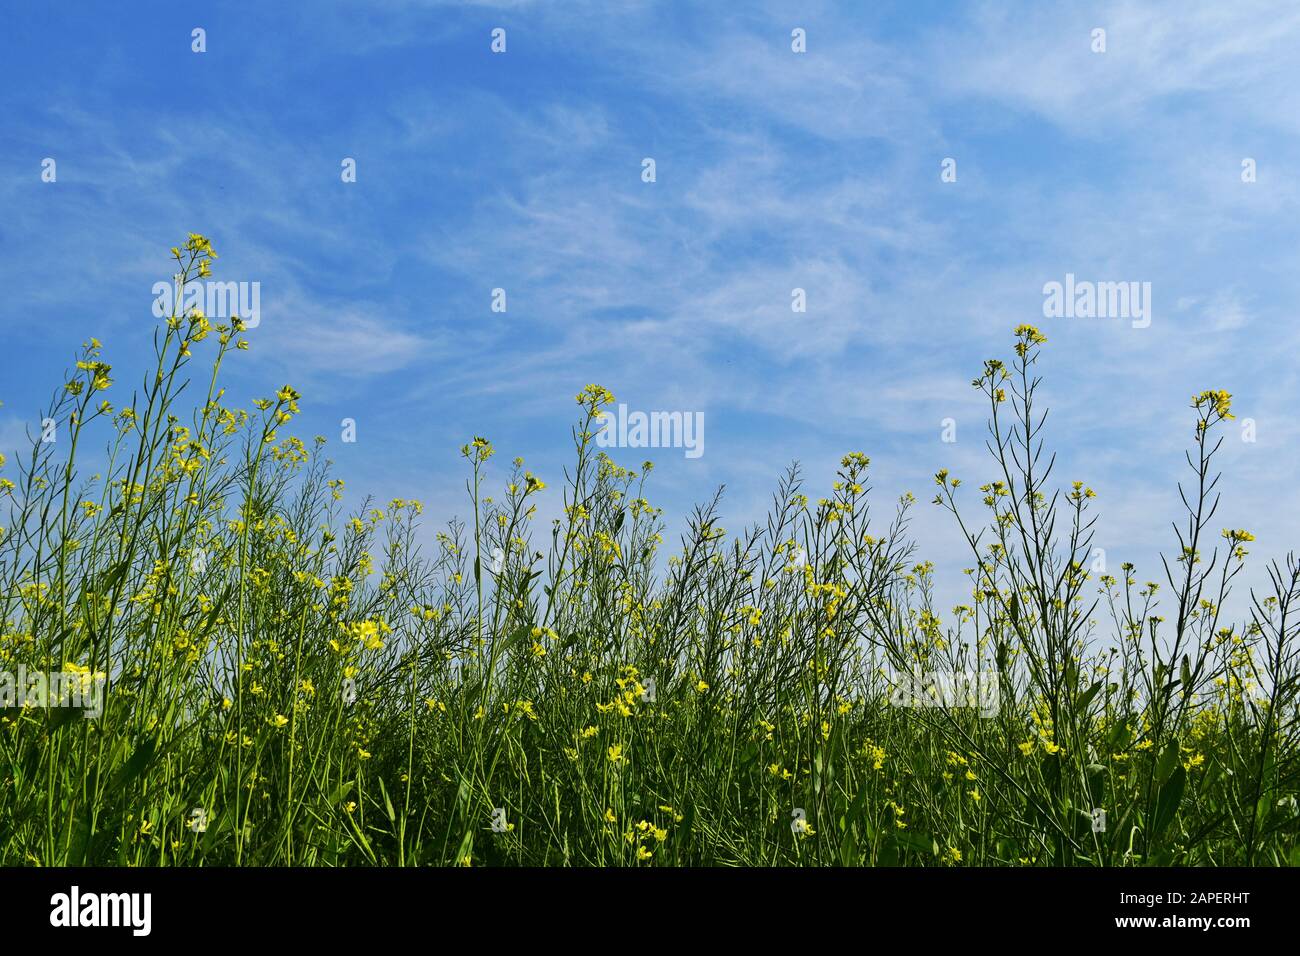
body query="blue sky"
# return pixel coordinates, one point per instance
(774, 171)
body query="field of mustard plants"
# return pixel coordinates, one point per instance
(282, 681)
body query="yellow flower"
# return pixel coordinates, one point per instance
(609, 816)
(595, 397)
(615, 754)
(875, 754)
(525, 707)
(478, 451)
(279, 720)
(1216, 399)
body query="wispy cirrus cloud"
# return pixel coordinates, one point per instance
(775, 171)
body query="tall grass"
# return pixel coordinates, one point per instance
(288, 683)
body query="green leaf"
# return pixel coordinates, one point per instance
(1213, 771)
(517, 637)
(917, 842)
(341, 791)
(138, 762)
(388, 804)
(1086, 697)
(1121, 735)
(855, 809)
(1167, 762)
(112, 577)
(219, 824)
(1171, 795)
(1050, 767)
(887, 853)
(849, 848)
(80, 841)
(466, 845)
(62, 716)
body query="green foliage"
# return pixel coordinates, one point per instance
(290, 685)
